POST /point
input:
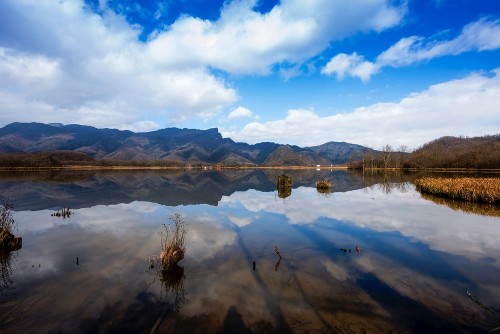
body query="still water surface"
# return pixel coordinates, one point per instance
(415, 261)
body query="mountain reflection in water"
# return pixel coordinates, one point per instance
(415, 262)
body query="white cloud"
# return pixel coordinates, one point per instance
(240, 112)
(61, 62)
(467, 106)
(481, 35)
(244, 41)
(352, 65)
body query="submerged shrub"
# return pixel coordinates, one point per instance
(324, 186)
(173, 243)
(8, 241)
(284, 186)
(284, 181)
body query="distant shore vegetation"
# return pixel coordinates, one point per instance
(59, 159)
(443, 153)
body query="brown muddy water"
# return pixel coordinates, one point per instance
(372, 256)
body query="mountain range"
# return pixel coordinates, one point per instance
(186, 145)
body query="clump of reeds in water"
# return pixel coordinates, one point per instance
(284, 186)
(486, 190)
(165, 266)
(64, 213)
(8, 242)
(324, 186)
(173, 243)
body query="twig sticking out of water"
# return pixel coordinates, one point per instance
(65, 213)
(277, 265)
(475, 300)
(277, 251)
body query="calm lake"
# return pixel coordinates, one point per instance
(372, 256)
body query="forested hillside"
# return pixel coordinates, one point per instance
(458, 152)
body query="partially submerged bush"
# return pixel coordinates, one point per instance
(324, 186)
(8, 242)
(173, 243)
(284, 181)
(165, 267)
(486, 190)
(284, 186)
(6, 220)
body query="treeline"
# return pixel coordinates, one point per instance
(56, 159)
(387, 157)
(446, 152)
(458, 152)
(43, 159)
(145, 163)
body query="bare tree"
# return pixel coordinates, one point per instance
(386, 154)
(402, 153)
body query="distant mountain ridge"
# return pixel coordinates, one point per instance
(186, 145)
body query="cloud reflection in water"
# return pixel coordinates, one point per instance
(412, 248)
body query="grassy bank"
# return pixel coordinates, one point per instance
(485, 190)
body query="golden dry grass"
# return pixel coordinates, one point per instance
(324, 184)
(173, 243)
(6, 223)
(284, 181)
(485, 190)
(284, 186)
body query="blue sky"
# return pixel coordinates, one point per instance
(371, 72)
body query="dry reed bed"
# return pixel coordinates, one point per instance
(485, 190)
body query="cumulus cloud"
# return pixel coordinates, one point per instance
(481, 35)
(240, 112)
(467, 106)
(352, 65)
(60, 61)
(244, 41)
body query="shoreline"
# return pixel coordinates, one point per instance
(219, 168)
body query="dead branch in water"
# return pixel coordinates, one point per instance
(277, 251)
